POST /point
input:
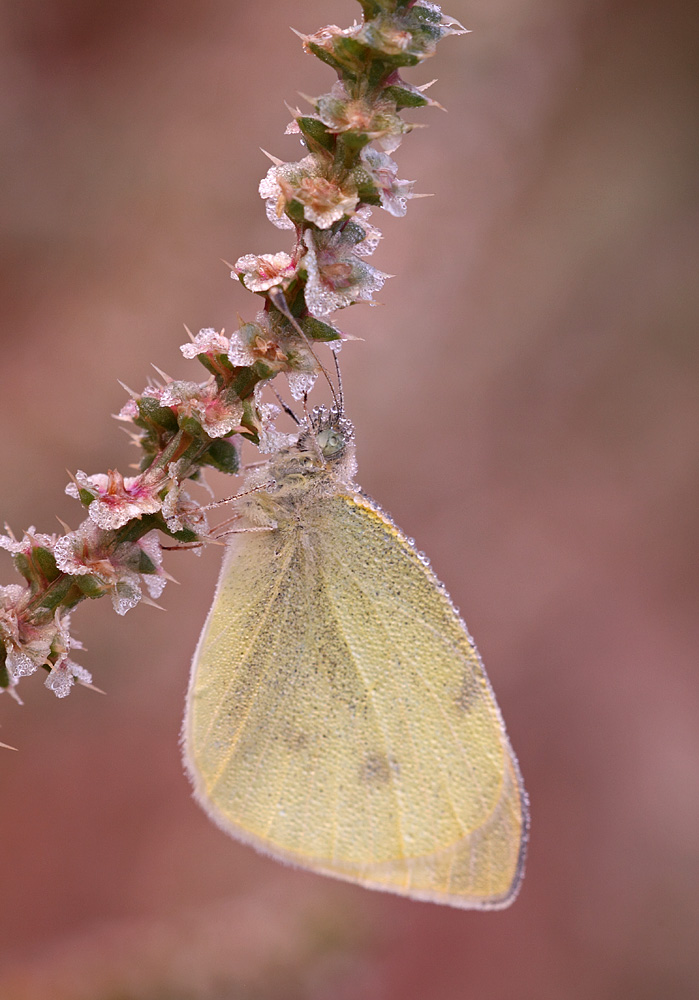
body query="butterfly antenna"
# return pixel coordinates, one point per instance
(287, 409)
(278, 300)
(306, 417)
(339, 384)
(245, 493)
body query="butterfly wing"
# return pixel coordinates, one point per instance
(339, 717)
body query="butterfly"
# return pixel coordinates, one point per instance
(338, 715)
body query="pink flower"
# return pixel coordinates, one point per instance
(376, 118)
(64, 674)
(29, 646)
(117, 571)
(180, 511)
(23, 653)
(383, 173)
(64, 671)
(325, 37)
(129, 411)
(207, 341)
(218, 413)
(31, 540)
(395, 35)
(264, 271)
(32, 556)
(337, 275)
(273, 340)
(310, 182)
(117, 500)
(260, 340)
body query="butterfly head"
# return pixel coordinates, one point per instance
(328, 435)
(320, 462)
(325, 447)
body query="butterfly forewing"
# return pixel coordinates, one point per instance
(339, 716)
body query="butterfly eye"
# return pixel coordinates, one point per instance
(331, 442)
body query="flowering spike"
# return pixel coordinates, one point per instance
(181, 427)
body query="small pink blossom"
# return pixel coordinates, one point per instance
(31, 540)
(219, 414)
(383, 172)
(387, 36)
(29, 646)
(274, 341)
(324, 200)
(260, 340)
(64, 671)
(325, 37)
(396, 35)
(310, 182)
(207, 341)
(117, 500)
(181, 512)
(64, 674)
(129, 411)
(264, 271)
(117, 571)
(376, 118)
(337, 276)
(84, 552)
(23, 655)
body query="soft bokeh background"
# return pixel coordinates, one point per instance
(527, 407)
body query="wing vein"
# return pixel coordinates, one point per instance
(347, 568)
(281, 577)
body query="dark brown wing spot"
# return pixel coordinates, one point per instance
(378, 769)
(470, 692)
(293, 738)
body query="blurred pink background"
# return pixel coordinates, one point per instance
(527, 408)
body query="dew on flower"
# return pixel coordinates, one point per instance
(325, 199)
(31, 539)
(63, 676)
(207, 341)
(265, 271)
(337, 276)
(117, 500)
(300, 383)
(383, 171)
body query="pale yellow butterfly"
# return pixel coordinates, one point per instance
(339, 717)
